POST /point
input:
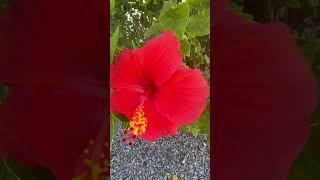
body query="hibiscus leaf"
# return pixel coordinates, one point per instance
(204, 123)
(166, 6)
(113, 44)
(112, 127)
(176, 19)
(112, 4)
(198, 25)
(121, 117)
(125, 124)
(201, 126)
(145, 2)
(154, 30)
(185, 47)
(3, 93)
(311, 50)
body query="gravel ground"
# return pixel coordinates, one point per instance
(177, 157)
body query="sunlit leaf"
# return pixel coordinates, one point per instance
(112, 127)
(154, 30)
(201, 126)
(176, 19)
(113, 44)
(145, 2)
(198, 25)
(185, 47)
(204, 123)
(112, 4)
(166, 6)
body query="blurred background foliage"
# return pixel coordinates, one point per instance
(303, 19)
(4, 3)
(133, 22)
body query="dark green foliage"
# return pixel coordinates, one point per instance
(4, 3)
(10, 170)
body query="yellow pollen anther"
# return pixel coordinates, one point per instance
(139, 122)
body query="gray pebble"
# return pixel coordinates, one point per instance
(182, 155)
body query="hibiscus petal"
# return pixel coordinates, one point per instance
(264, 94)
(126, 72)
(160, 57)
(158, 125)
(183, 97)
(125, 101)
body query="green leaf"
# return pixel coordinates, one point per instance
(166, 6)
(307, 165)
(201, 126)
(121, 117)
(198, 25)
(146, 2)
(154, 30)
(195, 132)
(176, 19)
(311, 50)
(185, 47)
(125, 124)
(197, 48)
(204, 123)
(207, 11)
(113, 44)
(112, 127)
(200, 5)
(293, 3)
(113, 25)
(112, 4)
(113, 120)
(3, 93)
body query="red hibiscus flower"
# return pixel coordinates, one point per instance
(53, 60)
(154, 90)
(264, 94)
